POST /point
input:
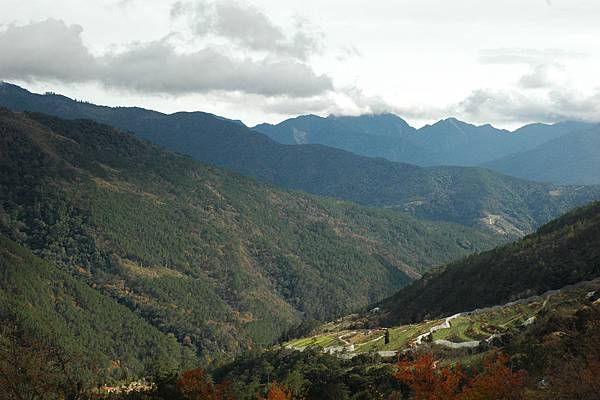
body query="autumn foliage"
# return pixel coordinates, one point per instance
(276, 392)
(196, 385)
(427, 381)
(497, 381)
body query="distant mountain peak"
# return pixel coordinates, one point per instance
(452, 121)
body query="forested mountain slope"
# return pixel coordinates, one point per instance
(52, 306)
(470, 196)
(565, 251)
(217, 259)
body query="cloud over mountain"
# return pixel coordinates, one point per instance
(48, 49)
(542, 93)
(52, 50)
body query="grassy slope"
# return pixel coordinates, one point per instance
(548, 336)
(504, 322)
(215, 258)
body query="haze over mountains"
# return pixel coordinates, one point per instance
(471, 196)
(568, 159)
(453, 142)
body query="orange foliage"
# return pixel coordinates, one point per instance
(195, 385)
(496, 382)
(428, 382)
(276, 392)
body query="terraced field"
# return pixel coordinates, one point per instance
(486, 327)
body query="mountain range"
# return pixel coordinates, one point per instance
(474, 197)
(211, 259)
(568, 159)
(529, 152)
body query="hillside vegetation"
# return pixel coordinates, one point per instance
(470, 196)
(550, 341)
(52, 306)
(216, 259)
(565, 251)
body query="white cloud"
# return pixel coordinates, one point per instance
(543, 93)
(422, 60)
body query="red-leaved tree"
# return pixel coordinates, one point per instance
(276, 392)
(196, 385)
(427, 381)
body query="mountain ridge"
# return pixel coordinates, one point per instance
(470, 196)
(571, 158)
(446, 142)
(563, 252)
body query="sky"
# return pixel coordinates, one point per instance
(507, 62)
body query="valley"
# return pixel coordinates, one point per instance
(218, 261)
(315, 200)
(102, 231)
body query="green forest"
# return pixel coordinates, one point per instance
(218, 261)
(562, 252)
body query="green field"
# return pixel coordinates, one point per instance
(468, 327)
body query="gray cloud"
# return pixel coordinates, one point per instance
(51, 50)
(157, 67)
(514, 106)
(247, 26)
(541, 76)
(48, 49)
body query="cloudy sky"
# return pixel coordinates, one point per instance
(506, 62)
